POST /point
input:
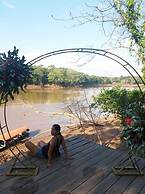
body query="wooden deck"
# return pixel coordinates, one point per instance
(90, 171)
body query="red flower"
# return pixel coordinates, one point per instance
(128, 121)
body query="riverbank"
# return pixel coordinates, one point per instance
(36, 87)
(53, 86)
(107, 129)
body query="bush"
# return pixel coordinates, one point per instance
(117, 101)
(134, 128)
(129, 107)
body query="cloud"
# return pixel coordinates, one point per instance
(7, 4)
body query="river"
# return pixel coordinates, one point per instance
(40, 108)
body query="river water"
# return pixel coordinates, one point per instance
(39, 109)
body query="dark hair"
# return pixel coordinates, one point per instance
(56, 127)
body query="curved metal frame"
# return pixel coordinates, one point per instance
(104, 53)
(9, 134)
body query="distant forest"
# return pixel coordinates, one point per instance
(70, 78)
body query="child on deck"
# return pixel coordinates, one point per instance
(51, 149)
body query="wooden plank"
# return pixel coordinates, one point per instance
(73, 174)
(75, 170)
(71, 186)
(29, 190)
(78, 154)
(137, 184)
(118, 185)
(106, 184)
(111, 181)
(83, 153)
(74, 140)
(121, 184)
(142, 191)
(25, 182)
(41, 174)
(127, 171)
(72, 143)
(42, 162)
(23, 171)
(101, 170)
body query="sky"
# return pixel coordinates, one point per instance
(28, 25)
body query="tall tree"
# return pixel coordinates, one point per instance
(126, 19)
(132, 18)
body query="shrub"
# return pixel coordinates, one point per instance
(134, 128)
(117, 101)
(129, 107)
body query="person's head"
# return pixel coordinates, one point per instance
(55, 130)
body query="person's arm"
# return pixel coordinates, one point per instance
(50, 151)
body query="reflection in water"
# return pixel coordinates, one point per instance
(42, 96)
(40, 109)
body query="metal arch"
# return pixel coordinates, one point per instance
(5, 126)
(104, 53)
(101, 52)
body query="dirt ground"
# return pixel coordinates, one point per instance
(107, 133)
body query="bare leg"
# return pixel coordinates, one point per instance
(41, 144)
(31, 147)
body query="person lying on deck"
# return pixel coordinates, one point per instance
(51, 149)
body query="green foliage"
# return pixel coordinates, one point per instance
(134, 131)
(117, 100)
(39, 76)
(129, 107)
(126, 19)
(14, 74)
(68, 77)
(61, 76)
(132, 17)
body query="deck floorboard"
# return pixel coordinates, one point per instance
(90, 171)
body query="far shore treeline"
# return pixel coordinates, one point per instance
(70, 78)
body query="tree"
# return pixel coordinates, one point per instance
(132, 19)
(126, 20)
(40, 75)
(14, 74)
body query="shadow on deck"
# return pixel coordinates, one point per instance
(90, 171)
